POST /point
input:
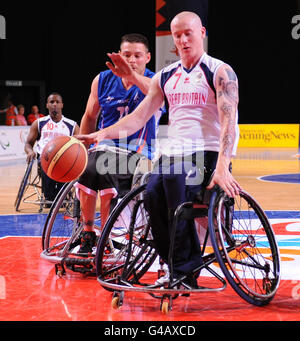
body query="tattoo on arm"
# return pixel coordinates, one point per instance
(228, 100)
(229, 88)
(227, 109)
(231, 74)
(227, 142)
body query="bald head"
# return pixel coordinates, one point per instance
(186, 16)
(188, 35)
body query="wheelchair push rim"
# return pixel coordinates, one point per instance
(245, 246)
(123, 239)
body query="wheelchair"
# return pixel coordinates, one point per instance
(30, 190)
(63, 227)
(238, 246)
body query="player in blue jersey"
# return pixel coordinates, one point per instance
(115, 93)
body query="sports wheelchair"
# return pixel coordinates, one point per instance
(63, 227)
(238, 243)
(30, 190)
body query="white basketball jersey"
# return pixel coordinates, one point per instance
(48, 129)
(190, 99)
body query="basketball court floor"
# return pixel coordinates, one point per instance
(31, 291)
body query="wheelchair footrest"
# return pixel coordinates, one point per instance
(77, 261)
(190, 210)
(82, 265)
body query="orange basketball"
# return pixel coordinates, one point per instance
(64, 158)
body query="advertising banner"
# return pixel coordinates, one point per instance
(12, 142)
(269, 135)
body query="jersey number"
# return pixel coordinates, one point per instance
(50, 126)
(178, 75)
(123, 111)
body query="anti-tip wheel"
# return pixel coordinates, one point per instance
(59, 270)
(165, 307)
(116, 302)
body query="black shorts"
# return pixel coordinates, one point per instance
(109, 172)
(50, 187)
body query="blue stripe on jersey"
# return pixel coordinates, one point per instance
(166, 75)
(209, 76)
(42, 123)
(70, 127)
(163, 79)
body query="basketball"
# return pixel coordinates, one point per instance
(64, 158)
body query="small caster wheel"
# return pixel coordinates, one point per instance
(165, 307)
(267, 285)
(59, 273)
(115, 302)
(166, 304)
(59, 270)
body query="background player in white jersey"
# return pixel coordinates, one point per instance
(42, 131)
(115, 93)
(202, 120)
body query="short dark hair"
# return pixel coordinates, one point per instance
(135, 38)
(55, 94)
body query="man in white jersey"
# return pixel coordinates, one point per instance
(42, 131)
(201, 97)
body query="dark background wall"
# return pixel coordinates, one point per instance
(64, 45)
(255, 38)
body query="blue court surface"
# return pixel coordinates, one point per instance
(31, 225)
(285, 178)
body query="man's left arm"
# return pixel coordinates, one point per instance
(227, 103)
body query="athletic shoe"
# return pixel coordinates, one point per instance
(190, 281)
(88, 241)
(164, 279)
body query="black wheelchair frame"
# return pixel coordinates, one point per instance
(61, 233)
(63, 226)
(238, 247)
(31, 181)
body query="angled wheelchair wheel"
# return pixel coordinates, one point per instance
(125, 250)
(24, 184)
(245, 246)
(63, 223)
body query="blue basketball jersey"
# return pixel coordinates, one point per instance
(116, 102)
